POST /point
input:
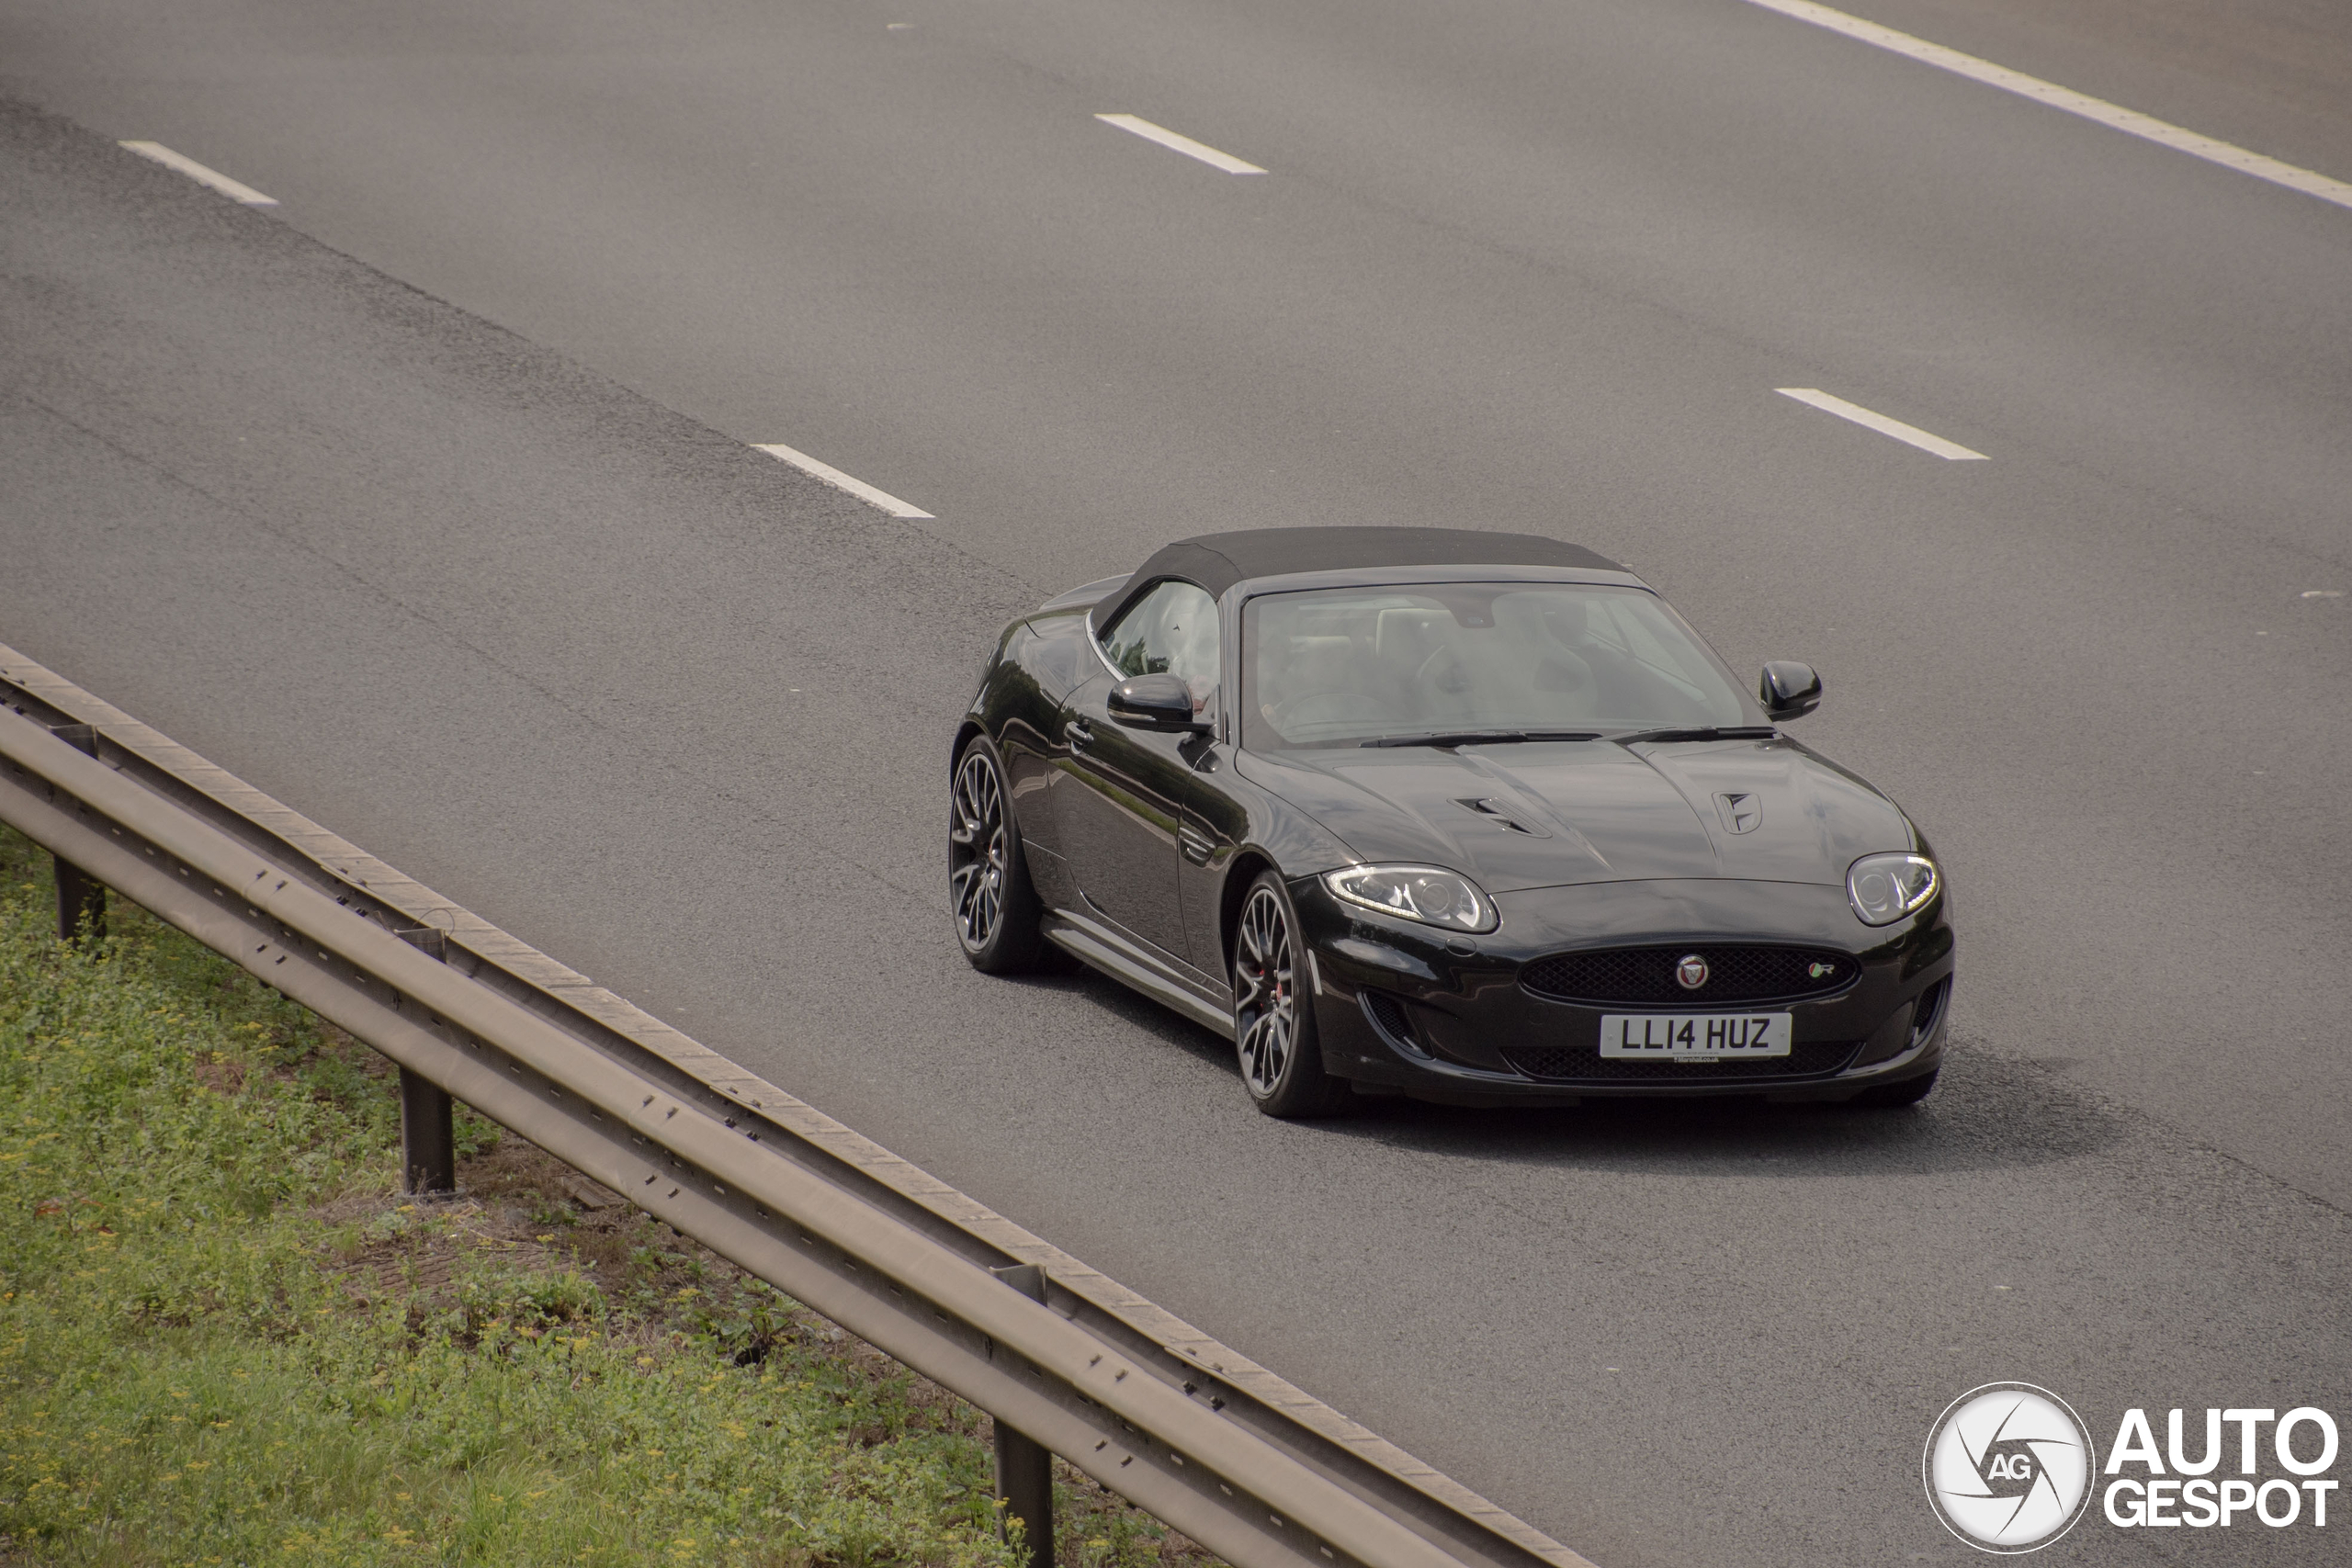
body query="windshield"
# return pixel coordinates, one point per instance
(1344, 666)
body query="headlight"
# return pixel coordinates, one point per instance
(1885, 888)
(1416, 893)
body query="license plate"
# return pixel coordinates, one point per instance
(1695, 1036)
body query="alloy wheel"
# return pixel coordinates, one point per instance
(1265, 999)
(977, 849)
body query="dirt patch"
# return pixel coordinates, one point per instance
(221, 1077)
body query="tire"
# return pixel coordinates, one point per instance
(989, 894)
(1273, 1022)
(1910, 1091)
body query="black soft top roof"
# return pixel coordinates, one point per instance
(1217, 561)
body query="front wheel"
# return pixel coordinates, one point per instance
(987, 880)
(1273, 1024)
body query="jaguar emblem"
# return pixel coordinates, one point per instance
(1690, 972)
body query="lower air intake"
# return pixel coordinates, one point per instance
(1557, 1064)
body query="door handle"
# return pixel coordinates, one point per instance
(1078, 736)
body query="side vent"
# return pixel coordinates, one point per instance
(1928, 1013)
(1389, 1017)
(1493, 812)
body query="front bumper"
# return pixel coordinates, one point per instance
(1401, 1008)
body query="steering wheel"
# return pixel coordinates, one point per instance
(1422, 676)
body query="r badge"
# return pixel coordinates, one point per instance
(1740, 813)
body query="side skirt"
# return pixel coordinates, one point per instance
(1099, 947)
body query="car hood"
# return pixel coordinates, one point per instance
(1553, 814)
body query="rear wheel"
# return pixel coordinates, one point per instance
(1274, 1022)
(987, 880)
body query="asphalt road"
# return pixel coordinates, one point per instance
(494, 587)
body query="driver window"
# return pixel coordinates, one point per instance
(1171, 630)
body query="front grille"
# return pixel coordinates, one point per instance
(1645, 977)
(1807, 1059)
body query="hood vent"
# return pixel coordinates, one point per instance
(1493, 811)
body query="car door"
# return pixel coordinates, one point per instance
(1043, 662)
(1119, 812)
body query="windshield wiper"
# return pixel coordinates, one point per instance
(1451, 737)
(1705, 732)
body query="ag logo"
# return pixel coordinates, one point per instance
(2008, 1467)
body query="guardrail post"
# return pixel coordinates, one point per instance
(81, 898)
(428, 1139)
(1024, 1469)
(428, 1131)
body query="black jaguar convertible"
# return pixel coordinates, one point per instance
(1470, 816)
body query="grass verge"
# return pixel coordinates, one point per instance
(225, 1338)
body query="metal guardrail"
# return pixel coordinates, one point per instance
(1189, 1430)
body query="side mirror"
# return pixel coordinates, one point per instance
(1154, 702)
(1789, 690)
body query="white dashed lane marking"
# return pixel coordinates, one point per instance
(2113, 116)
(1924, 440)
(840, 480)
(234, 189)
(1184, 144)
